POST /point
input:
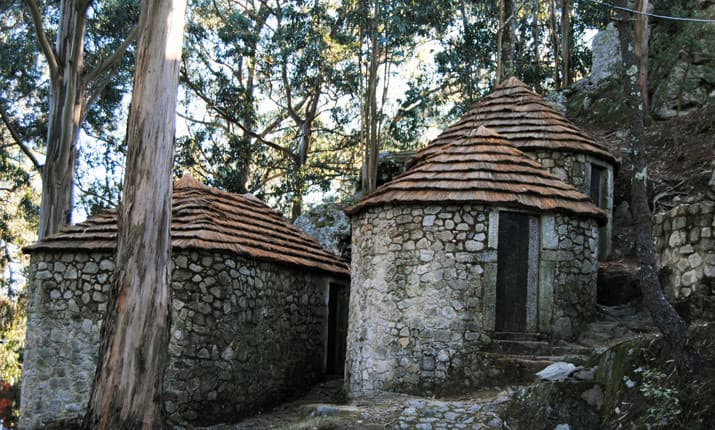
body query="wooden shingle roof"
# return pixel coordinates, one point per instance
(481, 167)
(205, 218)
(525, 119)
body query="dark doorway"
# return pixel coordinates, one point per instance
(598, 179)
(337, 329)
(598, 196)
(512, 271)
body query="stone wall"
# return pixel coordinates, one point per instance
(244, 335)
(569, 263)
(67, 300)
(685, 246)
(250, 334)
(575, 169)
(424, 290)
(567, 166)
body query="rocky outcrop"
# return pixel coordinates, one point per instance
(329, 224)
(606, 55)
(689, 85)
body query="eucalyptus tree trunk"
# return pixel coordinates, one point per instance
(369, 105)
(535, 31)
(69, 99)
(641, 49)
(305, 124)
(555, 44)
(127, 390)
(65, 114)
(506, 39)
(664, 315)
(566, 36)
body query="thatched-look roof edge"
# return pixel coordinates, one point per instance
(482, 155)
(525, 119)
(208, 219)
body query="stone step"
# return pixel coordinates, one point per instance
(522, 369)
(514, 369)
(521, 347)
(515, 335)
(577, 350)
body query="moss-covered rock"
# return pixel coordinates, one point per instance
(548, 404)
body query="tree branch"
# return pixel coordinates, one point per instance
(45, 45)
(18, 139)
(114, 58)
(212, 105)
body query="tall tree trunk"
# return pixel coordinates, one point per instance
(127, 391)
(468, 41)
(65, 114)
(641, 49)
(67, 105)
(664, 315)
(555, 44)
(567, 72)
(535, 35)
(506, 39)
(370, 114)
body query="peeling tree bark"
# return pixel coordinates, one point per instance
(641, 49)
(506, 39)
(127, 391)
(68, 103)
(664, 315)
(66, 110)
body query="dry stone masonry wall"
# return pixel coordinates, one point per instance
(686, 248)
(570, 264)
(416, 296)
(423, 293)
(68, 298)
(575, 169)
(567, 166)
(244, 335)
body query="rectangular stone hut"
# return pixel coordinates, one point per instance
(246, 332)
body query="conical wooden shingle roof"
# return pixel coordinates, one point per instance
(481, 167)
(525, 119)
(205, 218)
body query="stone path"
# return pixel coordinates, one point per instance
(616, 323)
(325, 407)
(478, 411)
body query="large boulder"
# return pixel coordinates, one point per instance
(329, 224)
(686, 88)
(606, 54)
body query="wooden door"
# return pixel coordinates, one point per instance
(512, 272)
(337, 329)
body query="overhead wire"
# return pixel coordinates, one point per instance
(672, 18)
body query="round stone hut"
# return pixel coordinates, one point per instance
(544, 134)
(474, 240)
(259, 311)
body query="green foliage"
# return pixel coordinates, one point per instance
(274, 80)
(663, 401)
(12, 341)
(24, 88)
